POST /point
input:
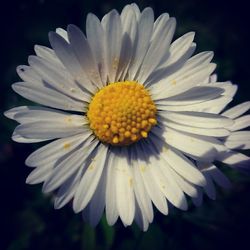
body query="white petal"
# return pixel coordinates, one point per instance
(140, 217)
(168, 184)
(218, 176)
(199, 199)
(194, 95)
(197, 119)
(195, 70)
(110, 196)
(209, 188)
(111, 23)
(183, 166)
(129, 25)
(136, 10)
(54, 150)
(174, 85)
(22, 139)
(124, 189)
(63, 33)
(145, 27)
(66, 55)
(83, 53)
(53, 124)
(67, 190)
(186, 186)
(241, 123)
(69, 165)
(238, 110)
(90, 180)
(141, 194)
(47, 54)
(40, 174)
(95, 36)
(158, 47)
(234, 159)
(192, 146)
(47, 96)
(93, 212)
(239, 135)
(150, 183)
(213, 106)
(214, 132)
(57, 78)
(179, 48)
(239, 140)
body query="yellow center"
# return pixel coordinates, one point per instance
(122, 113)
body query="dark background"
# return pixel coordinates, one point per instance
(28, 219)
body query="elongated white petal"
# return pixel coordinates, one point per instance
(169, 186)
(241, 123)
(52, 125)
(93, 212)
(90, 180)
(110, 194)
(40, 174)
(183, 166)
(214, 132)
(68, 166)
(237, 110)
(192, 96)
(199, 199)
(54, 150)
(63, 33)
(57, 79)
(198, 119)
(234, 159)
(141, 194)
(64, 52)
(67, 191)
(209, 188)
(129, 25)
(151, 185)
(158, 47)
(178, 48)
(190, 145)
(145, 27)
(48, 54)
(112, 27)
(22, 139)
(124, 189)
(140, 217)
(83, 53)
(47, 96)
(218, 177)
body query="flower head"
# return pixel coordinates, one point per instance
(135, 119)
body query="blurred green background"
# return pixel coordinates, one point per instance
(28, 219)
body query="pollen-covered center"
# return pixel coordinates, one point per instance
(122, 113)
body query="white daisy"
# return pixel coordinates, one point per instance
(142, 126)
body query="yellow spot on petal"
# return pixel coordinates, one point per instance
(66, 145)
(165, 149)
(91, 167)
(122, 113)
(143, 168)
(130, 182)
(68, 119)
(173, 82)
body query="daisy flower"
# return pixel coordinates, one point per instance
(134, 121)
